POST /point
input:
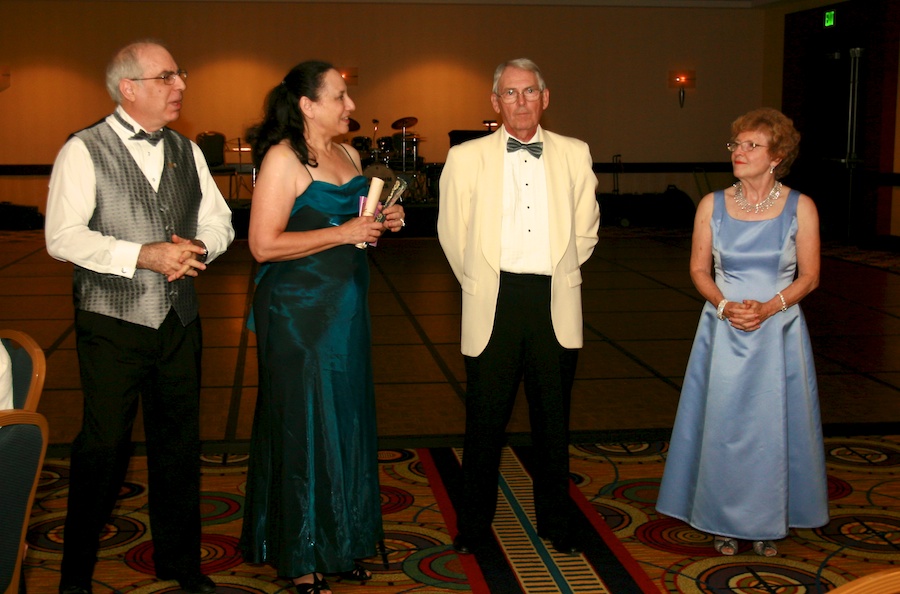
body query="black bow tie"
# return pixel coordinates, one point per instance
(151, 137)
(535, 148)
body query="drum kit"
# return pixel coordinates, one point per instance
(397, 155)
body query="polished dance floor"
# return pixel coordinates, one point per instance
(640, 315)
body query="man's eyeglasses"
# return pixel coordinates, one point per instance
(746, 146)
(167, 77)
(512, 95)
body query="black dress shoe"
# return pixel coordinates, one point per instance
(197, 584)
(74, 590)
(462, 545)
(471, 542)
(565, 545)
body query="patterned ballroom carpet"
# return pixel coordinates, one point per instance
(629, 548)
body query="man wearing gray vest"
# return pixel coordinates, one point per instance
(133, 206)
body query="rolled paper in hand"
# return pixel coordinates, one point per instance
(372, 198)
(374, 195)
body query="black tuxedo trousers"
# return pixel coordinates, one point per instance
(522, 346)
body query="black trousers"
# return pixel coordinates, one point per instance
(522, 344)
(122, 363)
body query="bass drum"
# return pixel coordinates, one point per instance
(385, 173)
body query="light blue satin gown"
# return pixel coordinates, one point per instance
(313, 500)
(746, 458)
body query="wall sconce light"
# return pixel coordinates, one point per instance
(350, 76)
(681, 80)
(5, 78)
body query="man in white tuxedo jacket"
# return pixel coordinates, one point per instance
(518, 217)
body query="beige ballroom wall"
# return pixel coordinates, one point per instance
(606, 68)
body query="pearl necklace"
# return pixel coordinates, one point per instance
(762, 206)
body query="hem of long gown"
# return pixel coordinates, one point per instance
(331, 569)
(770, 536)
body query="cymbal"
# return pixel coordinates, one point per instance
(404, 123)
(354, 125)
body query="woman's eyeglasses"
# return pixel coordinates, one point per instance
(745, 146)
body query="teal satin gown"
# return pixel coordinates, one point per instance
(313, 501)
(746, 458)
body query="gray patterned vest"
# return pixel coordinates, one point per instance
(128, 208)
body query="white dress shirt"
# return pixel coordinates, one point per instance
(72, 199)
(525, 230)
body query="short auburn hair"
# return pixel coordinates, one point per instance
(784, 140)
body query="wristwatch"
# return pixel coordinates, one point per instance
(201, 257)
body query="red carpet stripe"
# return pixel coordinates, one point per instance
(605, 566)
(615, 545)
(470, 566)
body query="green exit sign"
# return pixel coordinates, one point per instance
(829, 18)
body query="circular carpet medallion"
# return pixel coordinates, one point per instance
(225, 584)
(122, 533)
(623, 453)
(218, 553)
(220, 508)
(862, 533)
(581, 480)
(676, 537)
(53, 477)
(749, 574)
(394, 500)
(224, 463)
(402, 465)
(439, 567)
(838, 488)
(411, 550)
(867, 455)
(643, 490)
(622, 518)
(395, 456)
(53, 487)
(130, 491)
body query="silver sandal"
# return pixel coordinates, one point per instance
(726, 546)
(765, 548)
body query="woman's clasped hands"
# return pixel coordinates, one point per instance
(748, 315)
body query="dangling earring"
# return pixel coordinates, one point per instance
(772, 170)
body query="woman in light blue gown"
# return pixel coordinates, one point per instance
(746, 459)
(313, 504)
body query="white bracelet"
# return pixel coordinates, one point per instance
(720, 311)
(783, 302)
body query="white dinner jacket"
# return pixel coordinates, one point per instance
(469, 219)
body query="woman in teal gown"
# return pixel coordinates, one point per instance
(746, 459)
(313, 504)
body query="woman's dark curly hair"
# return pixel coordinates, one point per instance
(784, 140)
(282, 118)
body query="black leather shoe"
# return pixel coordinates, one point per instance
(565, 545)
(197, 584)
(462, 545)
(74, 590)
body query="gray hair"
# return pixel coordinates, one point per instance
(126, 64)
(523, 64)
